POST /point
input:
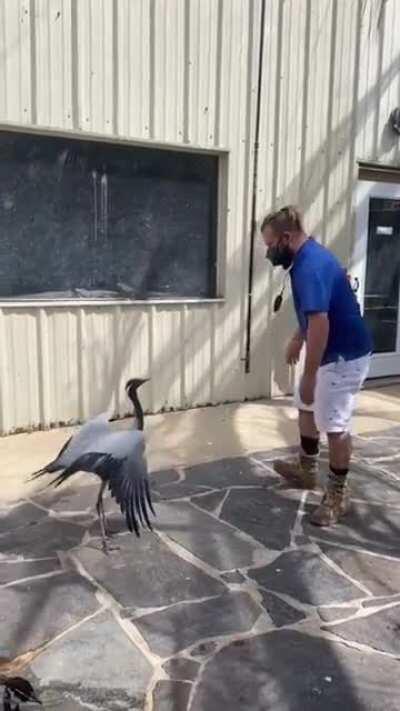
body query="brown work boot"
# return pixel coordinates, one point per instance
(334, 505)
(301, 473)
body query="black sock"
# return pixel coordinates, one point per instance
(338, 477)
(310, 445)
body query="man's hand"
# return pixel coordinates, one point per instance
(307, 389)
(293, 350)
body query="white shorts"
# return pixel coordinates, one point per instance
(335, 393)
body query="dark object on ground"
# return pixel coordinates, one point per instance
(16, 690)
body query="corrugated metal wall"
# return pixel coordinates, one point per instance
(170, 71)
(331, 77)
(185, 72)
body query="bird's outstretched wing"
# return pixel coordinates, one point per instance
(75, 445)
(95, 462)
(89, 433)
(129, 485)
(127, 480)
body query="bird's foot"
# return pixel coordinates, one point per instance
(108, 548)
(110, 532)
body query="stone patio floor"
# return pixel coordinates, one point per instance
(234, 602)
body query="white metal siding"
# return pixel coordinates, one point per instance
(331, 78)
(185, 72)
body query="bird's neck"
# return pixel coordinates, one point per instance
(138, 410)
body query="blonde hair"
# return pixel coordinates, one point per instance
(287, 219)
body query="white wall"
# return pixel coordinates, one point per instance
(165, 71)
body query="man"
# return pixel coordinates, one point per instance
(338, 348)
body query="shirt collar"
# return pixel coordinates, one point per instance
(303, 249)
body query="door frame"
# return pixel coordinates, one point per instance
(383, 364)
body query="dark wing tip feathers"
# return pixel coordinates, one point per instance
(134, 498)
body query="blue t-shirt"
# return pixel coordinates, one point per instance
(320, 285)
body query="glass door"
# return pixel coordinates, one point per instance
(376, 266)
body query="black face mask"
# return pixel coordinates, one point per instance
(280, 256)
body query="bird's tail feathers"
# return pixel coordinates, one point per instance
(50, 468)
(36, 475)
(63, 476)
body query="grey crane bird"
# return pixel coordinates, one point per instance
(117, 457)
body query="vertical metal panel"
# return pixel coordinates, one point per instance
(6, 379)
(101, 357)
(15, 74)
(21, 354)
(369, 80)
(132, 352)
(198, 359)
(234, 103)
(62, 373)
(135, 79)
(317, 132)
(165, 366)
(52, 68)
(95, 68)
(3, 63)
(201, 57)
(292, 91)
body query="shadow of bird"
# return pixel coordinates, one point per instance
(16, 690)
(117, 457)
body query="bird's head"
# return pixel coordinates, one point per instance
(134, 383)
(131, 390)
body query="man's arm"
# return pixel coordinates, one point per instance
(293, 349)
(298, 336)
(317, 338)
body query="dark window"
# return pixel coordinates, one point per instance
(88, 219)
(382, 279)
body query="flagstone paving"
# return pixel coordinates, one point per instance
(235, 601)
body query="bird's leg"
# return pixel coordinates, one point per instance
(102, 520)
(103, 516)
(100, 513)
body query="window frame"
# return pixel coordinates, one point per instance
(221, 222)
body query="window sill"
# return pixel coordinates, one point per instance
(87, 303)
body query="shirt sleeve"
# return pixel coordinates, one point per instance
(314, 293)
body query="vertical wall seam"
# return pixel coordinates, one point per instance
(329, 119)
(217, 98)
(32, 29)
(353, 134)
(278, 87)
(115, 68)
(186, 72)
(74, 65)
(152, 68)
(304, 125)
